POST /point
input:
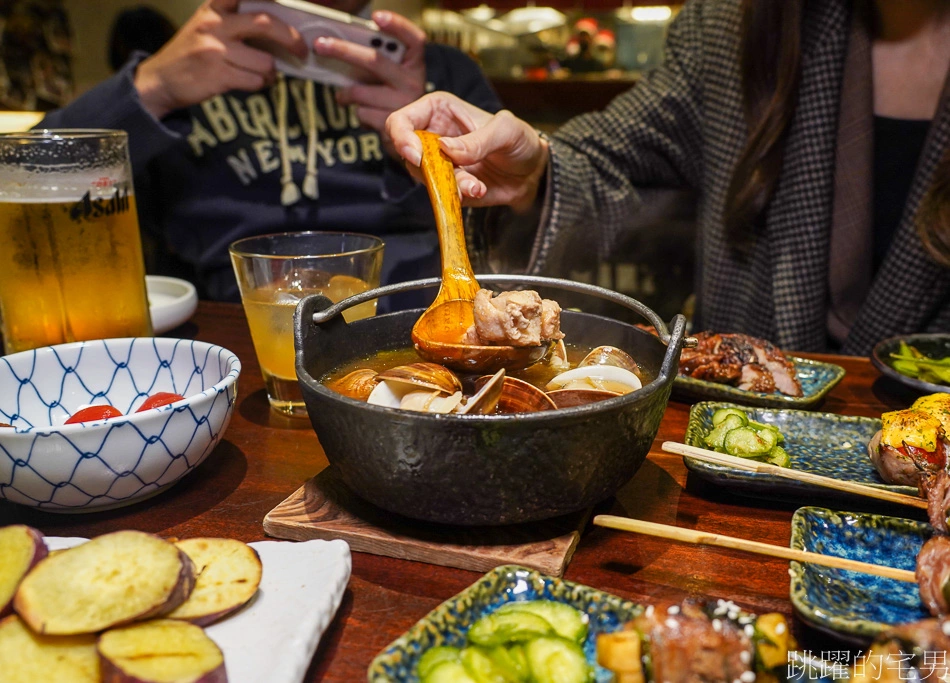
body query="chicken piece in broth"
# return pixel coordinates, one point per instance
(519, 318)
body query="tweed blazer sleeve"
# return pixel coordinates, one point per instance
(604, 164)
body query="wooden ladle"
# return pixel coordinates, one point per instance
(439, 331)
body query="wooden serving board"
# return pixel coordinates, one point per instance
(325, 508)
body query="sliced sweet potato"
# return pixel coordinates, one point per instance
(229, 573)
(26, 657)
(160, 651)
(113, 579)
(21, 547)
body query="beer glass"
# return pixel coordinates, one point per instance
(71, 265)
(274, 272)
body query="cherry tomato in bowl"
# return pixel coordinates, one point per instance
(162, 398)
(93, 413)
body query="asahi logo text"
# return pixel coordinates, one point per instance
(88, 208)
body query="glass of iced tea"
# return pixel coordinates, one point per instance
(274, 272)
(71, 264)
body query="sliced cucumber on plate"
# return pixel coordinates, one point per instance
(533, 641)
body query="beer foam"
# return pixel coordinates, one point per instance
(35, 188)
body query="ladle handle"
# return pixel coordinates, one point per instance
(458, 280)
(662, 330)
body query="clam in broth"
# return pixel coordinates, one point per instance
(568, 376)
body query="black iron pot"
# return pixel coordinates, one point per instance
(482, 469)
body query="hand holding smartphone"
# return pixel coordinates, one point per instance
(314, 21)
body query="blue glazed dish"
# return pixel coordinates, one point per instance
(817, 379)
(448, 623)
(849, 604)
(821, 443)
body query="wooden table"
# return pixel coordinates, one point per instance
(264, 457)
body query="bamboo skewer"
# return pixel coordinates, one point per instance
(676, 533)
(806, 477)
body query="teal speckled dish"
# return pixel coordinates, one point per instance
(448, 623)
(817, 380)
(850, 604)
(821, 443)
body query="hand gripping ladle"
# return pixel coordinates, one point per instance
(437, 334)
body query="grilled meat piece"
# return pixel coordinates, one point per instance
(894, 466)
(712, 368)
(908, 652)
(756, 377)
(933, 573)
(926, 635)
(935, 487)
(911, 443)
(781, 368)
(748, 362)
(685, 646)
(717, 358)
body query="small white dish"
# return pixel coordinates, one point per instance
(272, 640)
(170, 301)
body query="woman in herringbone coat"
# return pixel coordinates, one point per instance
(816, 135)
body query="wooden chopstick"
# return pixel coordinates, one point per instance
(788, 473)
(676, 533)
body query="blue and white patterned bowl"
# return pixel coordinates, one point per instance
(106, 464)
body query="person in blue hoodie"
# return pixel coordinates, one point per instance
(223, 147)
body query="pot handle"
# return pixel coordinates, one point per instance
(662, 330)
(678, 341)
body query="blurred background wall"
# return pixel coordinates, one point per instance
(35, 55)
(91, 22)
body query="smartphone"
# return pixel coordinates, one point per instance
(314, 21)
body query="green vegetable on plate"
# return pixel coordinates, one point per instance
(911, 362)
(735, 434)
(566, 621)
(537, 641)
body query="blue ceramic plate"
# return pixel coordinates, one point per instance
(932, 345)
(849, 604)
(448, 623)
(817, 379)
(821, 443)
